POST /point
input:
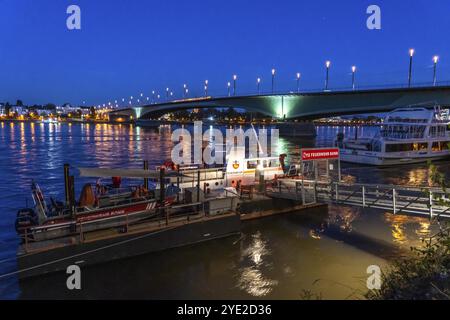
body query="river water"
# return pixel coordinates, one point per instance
(284, 257)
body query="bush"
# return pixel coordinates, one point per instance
(425, 276)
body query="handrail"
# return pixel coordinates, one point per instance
(347, 89)
(375, 185)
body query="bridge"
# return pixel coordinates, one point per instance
(306, 105)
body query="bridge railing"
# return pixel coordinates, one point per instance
(294, 92)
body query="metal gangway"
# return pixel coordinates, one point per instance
(426, 201)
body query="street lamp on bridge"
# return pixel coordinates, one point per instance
(228, 87)
(184, 90)
(153, 96)
(327, 65)
(206, 88)
(411, 54)
(167, 94)
(298, 81)
(273, 80)
(435, 60)
(353, 77)
(234, 84)
(258, 85)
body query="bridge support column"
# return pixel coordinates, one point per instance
(297, 129)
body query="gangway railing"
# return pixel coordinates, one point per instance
(400, 199)
(429, 201)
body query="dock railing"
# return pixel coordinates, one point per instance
(398, 199)
(421, 200)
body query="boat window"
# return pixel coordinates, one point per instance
(403, 147)
(252, 164)
(402, 131)
(437, 131)
(440, 146)
(274, 163)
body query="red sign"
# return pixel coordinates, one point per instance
(320, 154)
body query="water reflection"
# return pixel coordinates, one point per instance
(343, 217)
(251, 277)
(408, 229)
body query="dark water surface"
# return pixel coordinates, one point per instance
(273, 258)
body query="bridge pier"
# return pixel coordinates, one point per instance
(297, 129)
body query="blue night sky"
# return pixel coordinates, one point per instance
(130, 46)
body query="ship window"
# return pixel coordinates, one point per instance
(274, 163)
(420, 146)
(440, 146)
(403, 147)
(252, 164)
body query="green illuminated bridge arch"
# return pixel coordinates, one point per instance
(307, 105)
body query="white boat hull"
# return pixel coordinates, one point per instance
(382, 159)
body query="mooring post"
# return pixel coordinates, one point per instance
(146, 178)
(66, 183)
(72, 202)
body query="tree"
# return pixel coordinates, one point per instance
(19, 103)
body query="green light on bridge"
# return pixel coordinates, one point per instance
(137, 112)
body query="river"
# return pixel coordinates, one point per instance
(284, 257)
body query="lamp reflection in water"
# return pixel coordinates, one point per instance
(251, 277)
(408, 229)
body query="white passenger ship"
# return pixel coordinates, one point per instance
(407, 135)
